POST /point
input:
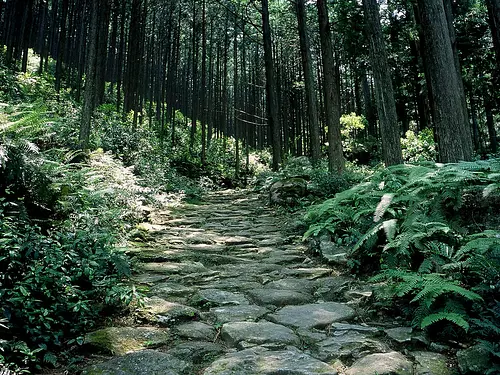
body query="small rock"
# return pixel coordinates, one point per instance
(301, 285)
(157, 310)
(429, 363)
(196, 351)
(348, 345)
(332, 288)
(316, 315)
(473, 360)
(288, 191)
(217, 297)
(122, 340)
(168, 268)
(353, 327)
(196, 331)
(399, 334)
(261, 361)
(169, 288)
(257, 333)
(145, 362)
(279, 297)
(331, 252)
(392, 363)
(239, 313)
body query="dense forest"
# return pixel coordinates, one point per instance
(379, 120)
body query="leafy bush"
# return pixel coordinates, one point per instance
(356, 144)
(418, 147)
(59, 221)
(431, 230)
(55, 286)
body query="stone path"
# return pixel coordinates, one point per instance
(230, 292)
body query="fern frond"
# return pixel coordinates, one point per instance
(435, 286)
(372, 232)
(440, 316)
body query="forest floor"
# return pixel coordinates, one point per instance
(232, 290)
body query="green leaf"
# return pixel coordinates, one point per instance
(451, 317)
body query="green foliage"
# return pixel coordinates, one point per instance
(55, 285)
(355, 143)
(418, 147)
(321, 183)
(430, 232)
(60, 272)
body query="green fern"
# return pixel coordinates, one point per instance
(454, 318)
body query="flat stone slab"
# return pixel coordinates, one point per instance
(147, 278)
(399, 334)
(315, 315)
(196, 351)
(196, 331)
(348, 345)
(225, 314)
(279, 297)
(122, 340)
(260, 361)
(353, 327)
(392, 363)
(218, 297)
(257, 333)
(429, 363)
(145, 362)
(169, 288)
(167, 313)
(173, 268)
(297, 284)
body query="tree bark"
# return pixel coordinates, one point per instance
(451, 124)
(90, 82)
(272, 104)
(331, 92)
(386, 107)
(312, 110)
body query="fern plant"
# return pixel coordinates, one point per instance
(436, 297)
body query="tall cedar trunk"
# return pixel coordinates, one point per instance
(475, 126)
(488, 105)
(386, 107)
(331, 91)
(272, 104)
(195, 89)
(121, 53)
(61, 45)
(312, 110)
(104, 14)
(41, 41)
(451, 124)
(27, 34)
(494, 22)
(236, 100)
(369, 111)
(81, 49)
(203, 85)
(90, 82)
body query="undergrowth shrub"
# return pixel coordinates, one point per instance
(418, 147)
(430, 233)
(55, 286)
(60, 271)
(320, 182)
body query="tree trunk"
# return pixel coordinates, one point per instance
(90, 82)
(451, 124)
(386, 107)
(331, 91)
(272, 104)
(203, 84)
(488, 105)
(312, 110)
